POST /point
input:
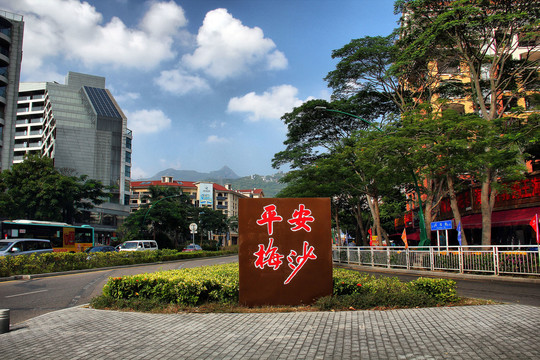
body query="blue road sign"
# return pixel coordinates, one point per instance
(442, 225)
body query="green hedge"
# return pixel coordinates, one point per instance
(219, 283)
(189, 286)
(362, 291)
(63, 261)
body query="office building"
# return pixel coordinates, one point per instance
(81, 127)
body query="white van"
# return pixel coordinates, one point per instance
(24, 246)
(138, 245)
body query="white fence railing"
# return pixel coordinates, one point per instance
(496, 260)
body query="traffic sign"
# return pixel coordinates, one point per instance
(442, 225)
(193, 227)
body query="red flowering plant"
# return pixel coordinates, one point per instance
(348, 282)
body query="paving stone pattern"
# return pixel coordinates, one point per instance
(469, 332)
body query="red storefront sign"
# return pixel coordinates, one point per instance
(285, 251)
(524, 193)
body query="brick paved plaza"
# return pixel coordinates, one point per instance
(470, 332)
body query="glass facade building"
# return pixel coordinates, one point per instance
(81, 127)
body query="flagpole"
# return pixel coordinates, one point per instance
(537, 230)
(537, 242)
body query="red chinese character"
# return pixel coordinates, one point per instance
(300, 219)
(268, 257)
(268, 217)
(296, 264)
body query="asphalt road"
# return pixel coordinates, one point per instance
(29, 298)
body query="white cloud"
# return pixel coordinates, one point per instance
(148, 121)
(75, 30)
(214, 139)
(217, 124)
(138, 173)
(122, 97)
(180, 82)
(272, 104)
(163, 19)
(227, 48)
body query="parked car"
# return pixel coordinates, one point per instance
(138, 245)
(193, 247)
(100, 248)
(24, 246)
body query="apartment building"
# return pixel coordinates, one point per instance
(30, 121)
(202, 194)
(11, 37)
(82, 128)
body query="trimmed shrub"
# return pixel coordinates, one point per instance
(442, 290)
(64, 261)
(220, 284)
(192, 286)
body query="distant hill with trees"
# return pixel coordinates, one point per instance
(268, 183)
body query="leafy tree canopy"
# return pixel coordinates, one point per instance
(35, 190)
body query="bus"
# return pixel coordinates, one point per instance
(63, 237)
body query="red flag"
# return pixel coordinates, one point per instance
(534, 224)
(370, 238)
(404, 238)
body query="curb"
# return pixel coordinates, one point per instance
(437, 274)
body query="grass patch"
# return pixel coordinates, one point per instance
(344, 303)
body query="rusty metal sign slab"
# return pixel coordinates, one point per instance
(285, 250)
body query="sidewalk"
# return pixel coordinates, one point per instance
(469, 332)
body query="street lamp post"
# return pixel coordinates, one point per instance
(424, 241)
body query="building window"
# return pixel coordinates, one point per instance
(128, 157)
(448, 66)
(128, 171)
(128, 143)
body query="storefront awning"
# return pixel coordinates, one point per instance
(514, 217)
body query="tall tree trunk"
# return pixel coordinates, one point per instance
(455, 207)
(487, 198)
(360, 226)
(428, 213)
(375, 213)
(338, 230)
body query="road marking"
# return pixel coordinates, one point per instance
(28, 293)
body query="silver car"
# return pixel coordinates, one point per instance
(24, 246)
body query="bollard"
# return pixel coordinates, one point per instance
(4, 321)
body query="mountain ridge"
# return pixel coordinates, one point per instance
(268, 183)
(191, 175)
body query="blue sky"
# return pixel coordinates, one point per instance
(203, 82)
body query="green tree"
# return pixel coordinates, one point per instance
(492, 42)
(167, 212)
(324, 180)
(314, 135)
(368, 64)
(211, 221)
(35, 190)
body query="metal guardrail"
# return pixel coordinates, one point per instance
(496, 260)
